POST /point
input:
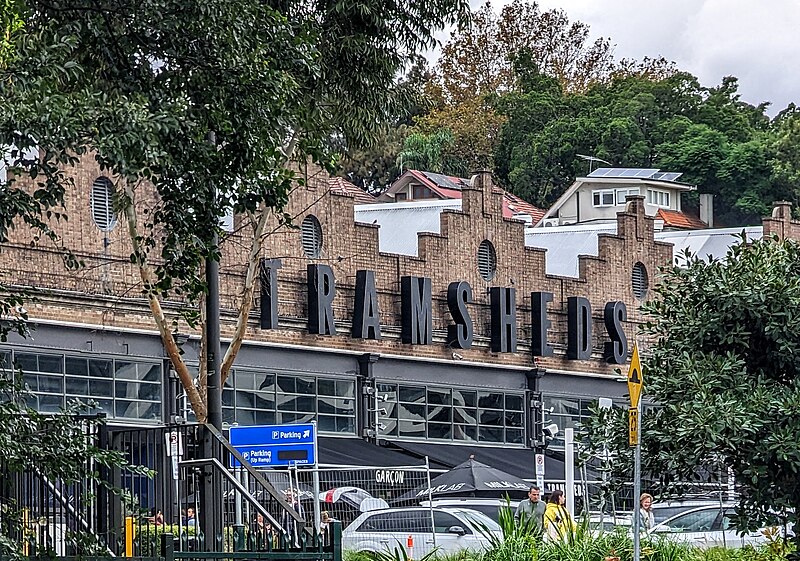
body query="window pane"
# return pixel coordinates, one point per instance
(287, 384)
(76, 366)
(608, 198)
(488, 400)
(514, 419)
(346, 424)
(412, 394)
(101, 368)
(465, 398)
(439, 430)
(326, 386)
(487, 434)
(27, 362)
(79, 386)
(596, 198)
(47, 403)
(264, 401)
(102, 388)
(465, 432)
(265, 417)
(306, 385)
(440, 413)
(514, 402)
(306, 404)
(345, 388)
(411, 428)
(416, 412)
(488, 417)
(326, 423)
(514, 436)
(51, 363)
(389, 391)
(438, 397)
(465, 416)
(150, 372)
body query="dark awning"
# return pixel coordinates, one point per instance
(516, 461)
(359, 452)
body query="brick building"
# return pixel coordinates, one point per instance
(92, 334)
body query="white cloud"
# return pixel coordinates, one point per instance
(754, 41)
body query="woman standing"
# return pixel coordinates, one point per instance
(558, 524)
(646, 521)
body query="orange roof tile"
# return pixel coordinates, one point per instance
(341, 186)
(680, 220)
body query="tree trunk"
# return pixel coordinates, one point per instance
(170, 345)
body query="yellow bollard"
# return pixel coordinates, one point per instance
(129, 536)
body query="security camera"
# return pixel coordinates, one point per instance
(551, 430)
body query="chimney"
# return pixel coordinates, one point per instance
(707, 209)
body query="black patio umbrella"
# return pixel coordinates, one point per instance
(471, 479)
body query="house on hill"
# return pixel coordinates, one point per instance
(415, 185)
(598, 197)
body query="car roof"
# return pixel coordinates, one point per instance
(723, 506)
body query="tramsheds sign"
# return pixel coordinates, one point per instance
(417, 314)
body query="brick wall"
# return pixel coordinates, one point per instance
(107, 290)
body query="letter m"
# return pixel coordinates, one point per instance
(416, 311)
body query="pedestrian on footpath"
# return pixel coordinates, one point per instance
(646, 519)
(558, 524)
(532, 509)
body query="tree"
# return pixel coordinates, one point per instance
(426, 152)
(723, 368)
(210, 105)
(57, 448)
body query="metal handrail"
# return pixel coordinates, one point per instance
(254, 473)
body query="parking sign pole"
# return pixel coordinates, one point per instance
(635, 380)
(315, 478)
(637, 488)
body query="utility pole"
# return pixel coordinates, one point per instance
(635, 379)
(211, 519)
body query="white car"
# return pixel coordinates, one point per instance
(489, 507)
(454, 529)
(707, 526)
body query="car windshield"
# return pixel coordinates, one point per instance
(479, 520)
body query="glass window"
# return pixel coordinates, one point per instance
(442, 521)
(412, 394)
(603, 197)
(697, 521)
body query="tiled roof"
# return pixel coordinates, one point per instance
(341, 186)
(680, 220)
(448, 187)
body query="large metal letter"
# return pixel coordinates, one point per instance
(459, 294)
(579, 328)
(540, 324)
(366, 315)
(321, 290)
(268, 279)
(616, 350)
(416, 314)
(504, 319)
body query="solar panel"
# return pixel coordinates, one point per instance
(624, 172)
(670, 176)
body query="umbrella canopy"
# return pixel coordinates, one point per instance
(474, 479)
(354, 496)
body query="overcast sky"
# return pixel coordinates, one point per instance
(758, 41)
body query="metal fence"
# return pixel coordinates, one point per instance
(45, 514)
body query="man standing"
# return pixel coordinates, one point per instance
(533, 510)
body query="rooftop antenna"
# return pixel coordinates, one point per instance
(591, 160)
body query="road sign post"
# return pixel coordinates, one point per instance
(540, 472)
(266, 446)
(635, 380)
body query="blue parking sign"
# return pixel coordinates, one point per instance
(275, 445)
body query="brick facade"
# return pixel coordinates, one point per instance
(106, 292)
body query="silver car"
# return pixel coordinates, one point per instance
(707, 526)
(419, 530)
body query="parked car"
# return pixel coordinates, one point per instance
(707, 526)
(489, 507)
(452, 530)
(663, 510)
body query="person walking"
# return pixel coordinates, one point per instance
(558, 524)
(532, 509)
(646, 520)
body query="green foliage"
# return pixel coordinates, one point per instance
(724, 146)
(724, 370)
(427, 152)
(54, 446)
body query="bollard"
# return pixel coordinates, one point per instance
(129, 536)
(410, 547)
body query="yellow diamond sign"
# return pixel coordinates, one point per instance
(635, 377)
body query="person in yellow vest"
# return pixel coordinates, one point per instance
(558, 524)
